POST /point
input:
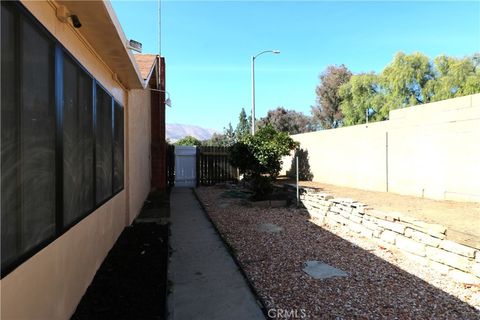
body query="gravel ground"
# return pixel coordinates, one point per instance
(378, 285)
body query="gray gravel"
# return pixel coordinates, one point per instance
(381, 284)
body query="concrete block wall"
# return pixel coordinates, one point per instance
(424, 242)
(430, 151)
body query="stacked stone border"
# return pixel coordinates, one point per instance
(424, 242)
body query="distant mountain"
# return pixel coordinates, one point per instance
(177, 131)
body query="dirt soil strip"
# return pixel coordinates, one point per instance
(131, 282)
(381, 284)
(462, 219)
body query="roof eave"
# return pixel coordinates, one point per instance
(102, 30)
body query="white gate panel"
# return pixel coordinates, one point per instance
(185, 166)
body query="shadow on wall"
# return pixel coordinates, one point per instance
(303, 166)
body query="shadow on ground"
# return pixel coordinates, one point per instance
(373, 289)
(131, 283)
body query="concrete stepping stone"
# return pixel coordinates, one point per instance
(321, 270)
(224, 205)
(269, 228)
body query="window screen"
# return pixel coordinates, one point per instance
(90, 132)
(103, 146)
(118, 148)
(28, 135)
(10, 138)
(78, 197)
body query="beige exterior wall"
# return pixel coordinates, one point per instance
(139, 136)
(433, 151)
(50, 284)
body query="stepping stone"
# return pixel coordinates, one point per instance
(224, 205)
(321, 270)
(269, 228)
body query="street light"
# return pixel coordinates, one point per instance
(253, 84)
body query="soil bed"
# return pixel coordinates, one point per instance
(131, 283)
(462, 219)
(381, 284)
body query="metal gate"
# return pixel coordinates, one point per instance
(185, 166)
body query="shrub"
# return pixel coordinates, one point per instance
(188, 141)
(259, 156)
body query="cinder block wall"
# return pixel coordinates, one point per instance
(430, 150)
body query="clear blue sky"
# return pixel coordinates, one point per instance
(208, 47)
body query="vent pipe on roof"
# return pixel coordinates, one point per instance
(134, 45)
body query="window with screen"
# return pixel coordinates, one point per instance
(104, 152)
(78, 143)
(28, 135)
(62, 146)
(118, 161)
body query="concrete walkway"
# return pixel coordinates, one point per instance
(206, 283)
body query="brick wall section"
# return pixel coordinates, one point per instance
(158, 133)
(422, 241)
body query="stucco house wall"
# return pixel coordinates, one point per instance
(139, 138)
(50, 284)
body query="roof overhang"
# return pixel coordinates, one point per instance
(101, 28)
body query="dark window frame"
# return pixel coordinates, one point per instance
(99, 202)
(121, 111)
(60, 53)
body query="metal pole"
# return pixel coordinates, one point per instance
(253, 84)
(298, 194)
(366, 115)
(159, 27)
(386, 159)
(253, 95)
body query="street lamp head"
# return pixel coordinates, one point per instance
(266, 51)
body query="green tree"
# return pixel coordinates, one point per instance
(327, 112)
(259, 157)
(359, 94)
(188, 141)
(217, 140)
(243, 126)
(407, 80)
(289, 121)
(456, 77)
(231, 135)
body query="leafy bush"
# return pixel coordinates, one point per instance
(259, 156)
(188, 141)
